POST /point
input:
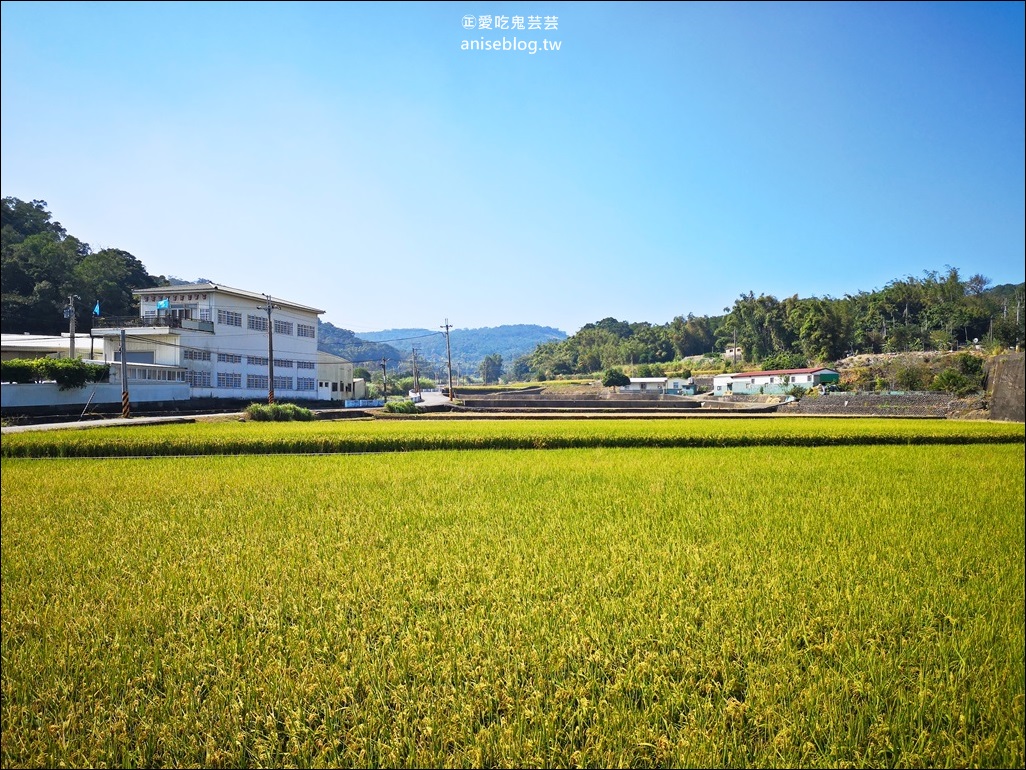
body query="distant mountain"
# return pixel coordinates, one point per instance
(469, 346)
(368, 355)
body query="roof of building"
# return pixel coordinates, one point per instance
(324, 357)
(775, 372)
(192, 288)
(47, 343)
(648, 379)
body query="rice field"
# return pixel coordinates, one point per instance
(798, 606)
(416, 434)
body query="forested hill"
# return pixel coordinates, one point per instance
(44, 266)
(367, 355)
(469, 346)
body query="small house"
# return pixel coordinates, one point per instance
(776, 382)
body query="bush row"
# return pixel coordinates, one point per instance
(68, 373)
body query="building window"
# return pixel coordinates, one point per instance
(305, 365)
(229, 380)
(283, 383)
(306, 383)
(256, 360)
(199, 379)
(229, 318)
(283, 327)
(284, 363)
(303, 330)
(229, 358)
(204, 314)
(256, 381)
(256, 323)
(196, 355)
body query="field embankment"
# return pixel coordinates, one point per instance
(240, 438)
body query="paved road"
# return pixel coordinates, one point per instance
(82, 424)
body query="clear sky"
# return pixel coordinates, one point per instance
(667, 158)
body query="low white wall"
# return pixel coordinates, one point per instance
(15, 395)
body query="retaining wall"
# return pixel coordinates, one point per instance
(878, 404)
(1005, 387)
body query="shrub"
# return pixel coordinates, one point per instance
(401, 407)
(969, 365)
(797, 391)
(278, 413)
(953, 381)
(784, 361)
(913, 378)
(68, 373)
(20, 370)
(405, 384)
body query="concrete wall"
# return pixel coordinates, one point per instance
(1005, 387)
(14, 396)
(878, 404)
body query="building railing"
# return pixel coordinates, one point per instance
(165, 321)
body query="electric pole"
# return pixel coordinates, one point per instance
(384, 381)
(416, 378)
(448, 355)
(125, 411)
(69, 313)
(270, 347)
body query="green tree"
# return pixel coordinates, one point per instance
(615, 378)
(490, 369)
(823, 331)
(42, 266)
(108, 277)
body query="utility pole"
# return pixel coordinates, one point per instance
(270, 347)
(384, 381)
(448, 355)
(416, 378)
(69, 313)
(125, 410)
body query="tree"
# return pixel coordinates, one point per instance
(491, 368)
(615, 378)
(823, 331)
(42, 266)
(521, 371)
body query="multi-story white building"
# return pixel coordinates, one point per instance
(216, 339)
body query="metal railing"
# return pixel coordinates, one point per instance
(137, 322)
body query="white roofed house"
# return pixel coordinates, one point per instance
(645, 385)
(777, 381)
(217, 337)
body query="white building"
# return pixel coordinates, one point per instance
(664, 385)
(13, 346)
(773, 382)
(645, 385)
(335, 379)
(215, 338)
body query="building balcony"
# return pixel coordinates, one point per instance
(106, 324)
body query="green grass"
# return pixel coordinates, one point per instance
(415, 434)
(763, 606)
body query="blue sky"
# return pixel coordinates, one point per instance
(666, 159)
